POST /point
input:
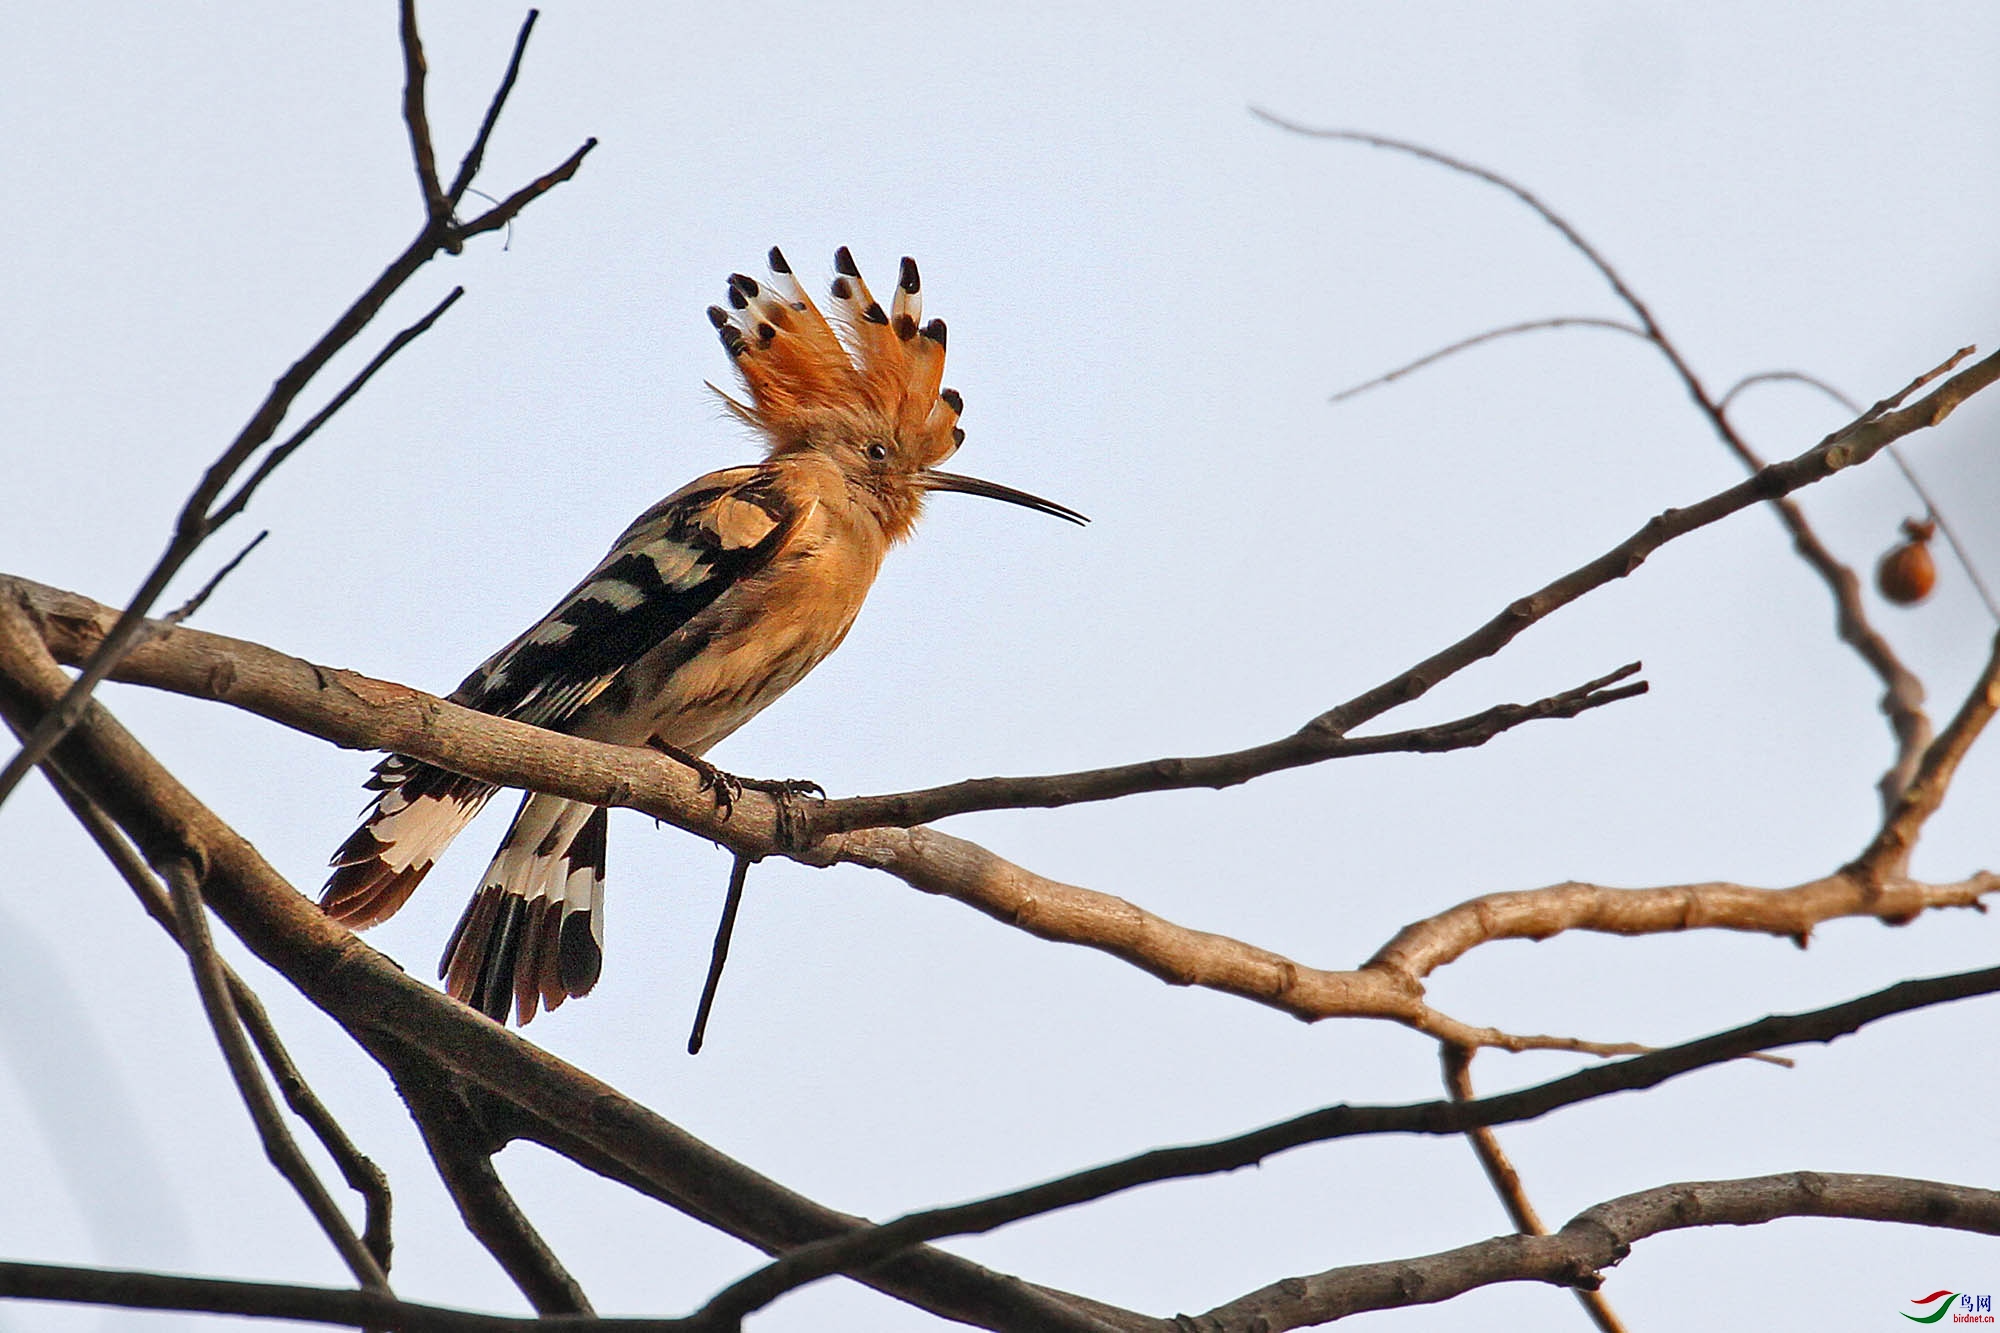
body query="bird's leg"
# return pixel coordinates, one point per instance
(726, 786)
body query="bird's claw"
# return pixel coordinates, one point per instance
(782, 787)
(727, 787)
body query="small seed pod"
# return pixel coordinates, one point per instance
(1907, 573)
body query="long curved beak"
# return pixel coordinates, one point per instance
(934, 480)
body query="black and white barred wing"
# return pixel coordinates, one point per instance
(668, 567)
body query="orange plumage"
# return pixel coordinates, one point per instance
(712, 604)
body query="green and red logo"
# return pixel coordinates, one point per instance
(1962, 1306)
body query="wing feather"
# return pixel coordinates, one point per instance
(668, 567)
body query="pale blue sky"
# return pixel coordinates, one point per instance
(1151, 295)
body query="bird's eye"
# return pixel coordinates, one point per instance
(878, 451)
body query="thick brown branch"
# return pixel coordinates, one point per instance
(354, 710)
(851, 1252)
(1422, 947)
(554, 1103)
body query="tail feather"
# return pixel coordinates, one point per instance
(532, 936)
(416, 812)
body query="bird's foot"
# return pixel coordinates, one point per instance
(783, 787)
(727, 786)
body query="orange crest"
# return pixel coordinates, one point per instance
(873, 368)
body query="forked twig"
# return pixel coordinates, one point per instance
(198, 518)
(859, 1249)
(1902, 701)
(191, 916)
(1931, 507)
(362, 1175)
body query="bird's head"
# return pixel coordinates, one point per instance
(862, 389)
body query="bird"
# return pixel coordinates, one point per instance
(713, 603)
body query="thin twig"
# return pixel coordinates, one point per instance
(236, 502)
(1902, 701)
(436, 208)
(1303, 747)
(503, 212)
(1506, 1181)
(196, 522)
(1931, 508)
(185, 887)
(859, 1249)
(719, 953)
(362, 1175)
(1491, 335)
(196, 602)
(475, 156)
(1846, 447)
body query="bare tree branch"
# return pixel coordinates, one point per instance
(197, 520)
(354, 710)
(1931, 508)
(475, 156)
(193, 604)
(417, 118)
(1902, 700)
(390, 1014)
(1852, 444)
(904, 809)
(183, 880)
(272, 1300)
(362, 1175)
(505, 211)
(1889, 854)
(462, 1149)
(851, 1253)
(1490, 335)
(241, 498)
(1506, 1181)
(1598, 1238)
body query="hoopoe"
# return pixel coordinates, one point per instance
(713, 603)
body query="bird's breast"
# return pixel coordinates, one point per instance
(755, 642)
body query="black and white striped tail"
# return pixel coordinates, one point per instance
(416, 813)
(534, 933)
